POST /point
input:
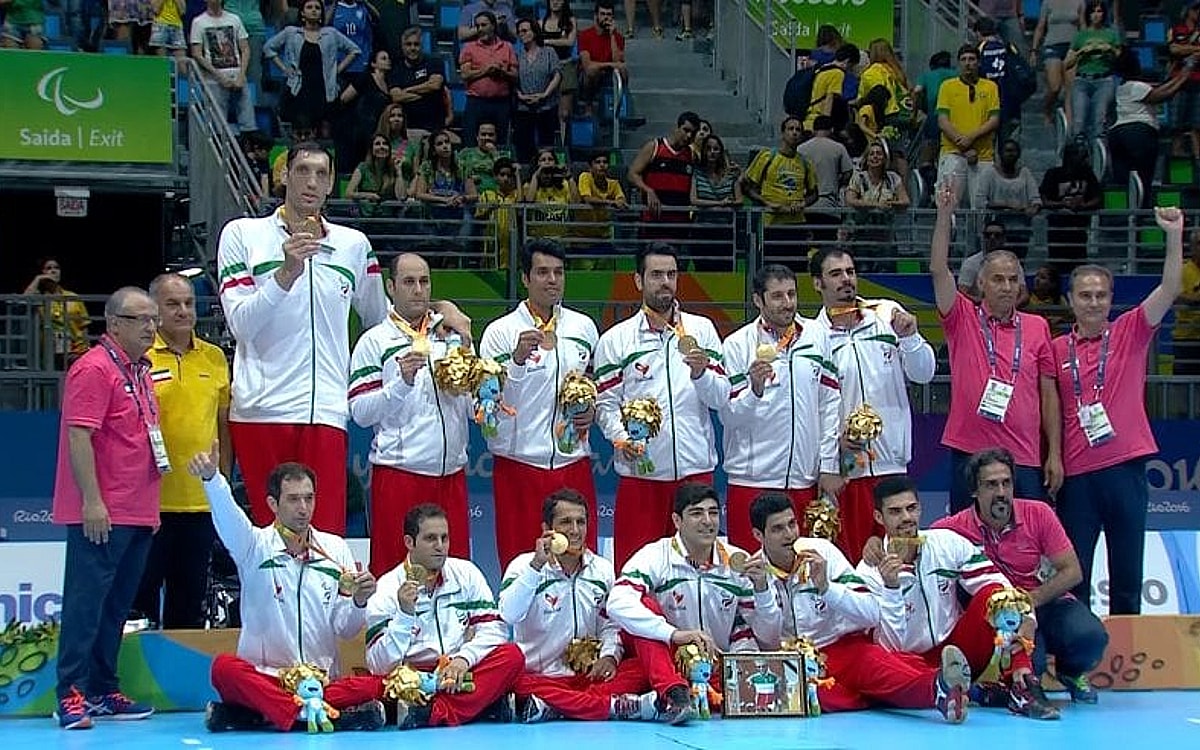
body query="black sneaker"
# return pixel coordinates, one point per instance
(412, 716)
(676, 708)
(535, 711)
(502, 711)
(1027, 698)
(230, 717)
(365, 717)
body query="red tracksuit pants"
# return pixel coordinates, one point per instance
(577, 697)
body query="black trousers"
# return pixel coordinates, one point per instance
(1134, 147)
(175, 581)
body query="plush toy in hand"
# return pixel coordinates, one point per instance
(314, 711)
(1006, 609)
(697, 666)
(487, 384)
(417, 688)
(642, 418)
(577, 395)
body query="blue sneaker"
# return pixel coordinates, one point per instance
(72, 711)
(117, 706)
(1080, 688)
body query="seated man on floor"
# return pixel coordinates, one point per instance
(684, 590)
(1027, 541)
(289, 620)
(436, 614)
(917, 581)
(554, 598)
(824, 601)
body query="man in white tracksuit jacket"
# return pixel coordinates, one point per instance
(419, 452)
(878, 350)
(301, 592)
(675, 358)
(781, 416)
(436, 613)
(540, 342)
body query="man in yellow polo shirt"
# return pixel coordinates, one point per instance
(1187, 313)
(784, 182)
(191, 382)
(968, 112)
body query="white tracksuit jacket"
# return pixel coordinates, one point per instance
(418, 427)
(923, 611)
(546, 609)
(846, 607)
(635, 360)
(718, 601)
(784, 439)
(533, 388)
(293, 347)
(439, 625)
(291, 610)
(875, 365)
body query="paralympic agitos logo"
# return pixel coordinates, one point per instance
(50, 90)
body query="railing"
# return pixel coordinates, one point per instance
(618, 102)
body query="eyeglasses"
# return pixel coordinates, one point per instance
(143, 320)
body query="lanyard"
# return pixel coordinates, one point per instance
(989, 342)
(132, 385)
(1076, 383)
(659, 323)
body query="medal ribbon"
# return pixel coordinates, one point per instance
(545, 326)
(318, 218)
(722, 555)
(660, 322)
(785, 339)
(420, 332)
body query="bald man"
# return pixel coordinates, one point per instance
(419, 452)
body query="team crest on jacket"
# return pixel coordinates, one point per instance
(888, 352)
(819, 605)
(677, 602)
(643, 370)
(552, 601)
(945, 586)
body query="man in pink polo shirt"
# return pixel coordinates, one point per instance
(1027, 543)
(110, 457)
(1101, 369)
(1002, 369)
(488, 65)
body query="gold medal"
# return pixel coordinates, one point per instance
(346, 585)
(897, 545)
(416, 573)
(312, 225)
(738, 561)
(766, 353)
(688, 344)
(549, 340)
(420, 345)
(559, 543)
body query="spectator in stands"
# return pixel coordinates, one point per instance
(110, 460)
(552, 189)
(417, 85)
(929, 85)
(1073, 192)
(1186, 334)
(376, 179)
(717, 192)
(876, 193)
(1185, 52)
(968, 112)
(828, 40)
(476, 161)
(353, 18)
(604, 194)
(833, 166)
(535, 122)
(1008, 190)
(503, 16)
(392, 19)
(559, 34)
(1093, 55)
(251, 14)
(495, 207)
(1133, 138)
(991, 239)
(24, 24)
(702, 134)
(655, 8)
(221, 47)
(827, 90)
(1009, 18)
(406, 150)
(1046, 299)
(443, 187)
(312, 56)
(885, 70)
(1058, 22)
(166, 32)
(996, 65)
(488, 65)
(685, 21)
(785, 183)
(129, 21)
(191, 384)
(68, 317)
(662, 173)
(365, 98)
(601, 51)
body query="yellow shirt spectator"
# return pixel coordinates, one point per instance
(552, 217)
(826, 84)
(878, 74)
(168, 12)
(782, 179)
(1187, 313)
(969, 106)
(587, 189)
(495, 207)
(193, 392)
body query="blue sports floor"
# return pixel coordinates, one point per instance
(1132, 720)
